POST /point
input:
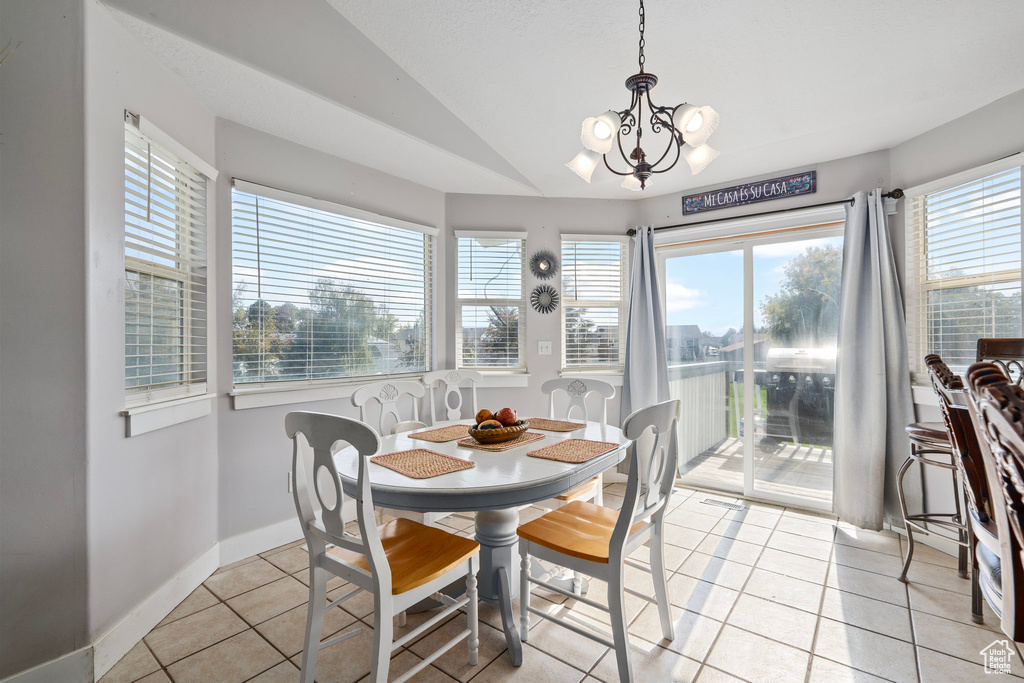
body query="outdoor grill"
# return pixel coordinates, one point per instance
(801, 397)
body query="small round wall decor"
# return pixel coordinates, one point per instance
(544, 264)
(544, 298)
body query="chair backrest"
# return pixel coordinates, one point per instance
(317, 485)
(961, 430)
(577, 390)
(1007, 353)
(387, 394)
(997, 408)
(451, 381)
(652, 468)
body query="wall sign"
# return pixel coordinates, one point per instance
(748, 193)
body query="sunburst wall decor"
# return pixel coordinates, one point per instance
(544, 298)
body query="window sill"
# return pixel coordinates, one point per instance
(924, 395)
(266, 396)
(613, 378)
(149, 418)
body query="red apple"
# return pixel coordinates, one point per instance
(506, 416)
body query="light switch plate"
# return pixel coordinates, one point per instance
(544, 348)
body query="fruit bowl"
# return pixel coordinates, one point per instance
(502, 435)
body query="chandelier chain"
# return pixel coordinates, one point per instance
(641, 36)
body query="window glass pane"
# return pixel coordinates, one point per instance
(492, 310)
(490, 336)
(593, 295)
(321, 295)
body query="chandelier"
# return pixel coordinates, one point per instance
(687, 125)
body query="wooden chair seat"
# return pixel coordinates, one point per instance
(931, 432)
(584, 490)
(417, 553)
(578, 529)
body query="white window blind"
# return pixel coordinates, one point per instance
(963, 265)
(165, 273)
(593, 304)
(323, 291)
(491, 326)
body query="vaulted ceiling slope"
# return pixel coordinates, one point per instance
(487, 97)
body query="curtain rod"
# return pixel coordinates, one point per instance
(894, 194)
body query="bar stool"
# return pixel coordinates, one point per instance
(930, 446)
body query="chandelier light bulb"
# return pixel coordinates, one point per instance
(597, 134)
(584, 163)
(696, 122)
(602, 131)
(683, 116)
(708, 122)
(699, 157)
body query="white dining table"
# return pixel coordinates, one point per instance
(495, 488)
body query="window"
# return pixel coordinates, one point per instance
(964, 263)
(165, 273)
(326, 292)
(593, 303)
(492, 305)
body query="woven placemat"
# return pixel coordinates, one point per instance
(528, 437)
(419, 463)
(442, 434)
(574, 450)
(555, 425)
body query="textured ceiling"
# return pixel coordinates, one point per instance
(488, 96)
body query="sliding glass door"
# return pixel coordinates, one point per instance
(751, 327)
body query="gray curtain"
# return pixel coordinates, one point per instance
(645, 377)
(873, 399)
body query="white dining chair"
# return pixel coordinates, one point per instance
(451, 382)
(597, 541)
(401, 562)
(387, 394)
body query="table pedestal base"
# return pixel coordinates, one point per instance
(499, 569)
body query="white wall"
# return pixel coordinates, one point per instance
(544, 220)
(152, 499)
(255, 455)
(43, 608)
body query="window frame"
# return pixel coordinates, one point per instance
(287, 391)
(918, 285)
(625, 284)
(520, 303)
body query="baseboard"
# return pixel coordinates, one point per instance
(74, 667)
(126, 634)
(259, 541)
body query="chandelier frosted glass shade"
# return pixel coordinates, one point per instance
(700, 127)
(599, 132)
(698, 157)
(584, 163)
(632, 183)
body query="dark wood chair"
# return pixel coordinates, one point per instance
(980, 526)
(996, 406)
(1007, 353)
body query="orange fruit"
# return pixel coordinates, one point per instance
(483, 416)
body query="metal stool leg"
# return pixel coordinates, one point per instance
(961, 557)
(903, 507)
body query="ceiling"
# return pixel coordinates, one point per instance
(488, 97)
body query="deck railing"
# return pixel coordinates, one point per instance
(705, 410)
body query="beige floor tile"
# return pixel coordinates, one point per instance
(599, 592)
(694, 504)
(926, 553)
(712, 675)
(867, 651)
(566, 646)
(800, 545)
(694, 634)
(730, 549)
(701, 597)
(811, 528)
(880, 542)
(650, 663)
(181, 638)
(758, 516)
(939, 577)
(751, 533)
(797, 566)
(774, 620)
(868, 584)
(236, 659)
(244, 578)
(756, 658)
(950, 637)
(936, 666)
(405, 660)
(809, 516)
(827, 671)
(674, 556)
(290, 561)
(802, 595)
(238, 563)
(199, 599)
(345, 662)
(155, 677)
(682, 537)
(691, 520)
(286, 546)
(333, 583)
(285, 672)
(137, 663)
(873, 615)
(868, 560)
(268, 601)
(287, 632)
(537, 667)
(949, 605)
(716, 570)
(455, 662)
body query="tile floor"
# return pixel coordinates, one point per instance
(763, 594)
